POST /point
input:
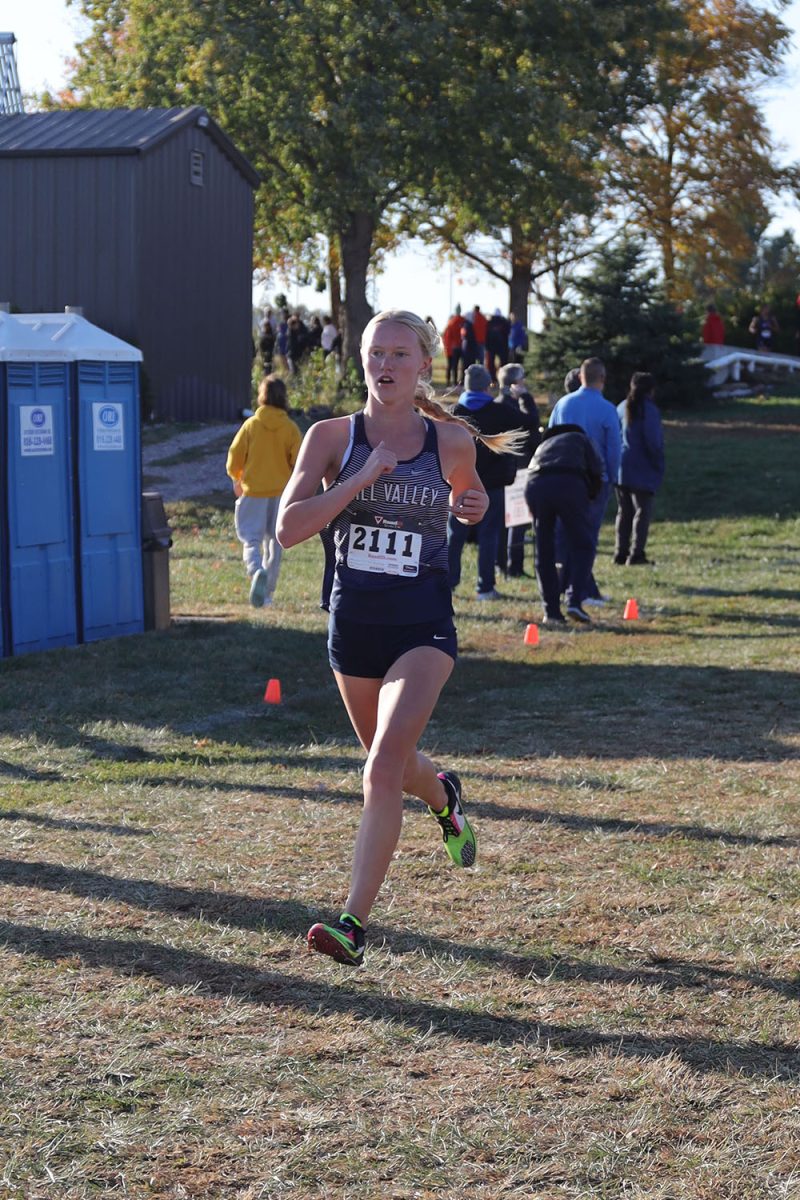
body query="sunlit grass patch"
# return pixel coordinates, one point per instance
(606, 1006)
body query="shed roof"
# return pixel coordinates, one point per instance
(109, 131)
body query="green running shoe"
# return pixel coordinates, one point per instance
(343, 941)
(457, 833)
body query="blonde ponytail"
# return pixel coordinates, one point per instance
(511, 442)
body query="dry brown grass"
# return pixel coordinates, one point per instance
(607, 1006)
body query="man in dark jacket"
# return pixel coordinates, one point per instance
(565, 474)
(496, 342)
(495, 471)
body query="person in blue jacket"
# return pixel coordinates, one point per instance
(588, 407)
(641, 469)
(517, 340)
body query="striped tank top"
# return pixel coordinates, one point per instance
(386, 552)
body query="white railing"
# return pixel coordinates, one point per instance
(726, 362)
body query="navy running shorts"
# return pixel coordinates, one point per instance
(368, 651)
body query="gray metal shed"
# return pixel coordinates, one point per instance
(144, 218)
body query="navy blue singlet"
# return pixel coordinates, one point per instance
(386, 552)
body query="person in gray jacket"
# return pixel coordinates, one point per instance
(564, 476)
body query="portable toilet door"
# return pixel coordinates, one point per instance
(108, 473)
(40, 610)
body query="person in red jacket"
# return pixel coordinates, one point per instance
(451, 340)
(479, 326)
(713, 327)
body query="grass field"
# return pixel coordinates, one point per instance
(606, 1006)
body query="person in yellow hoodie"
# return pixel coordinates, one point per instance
(260, 461)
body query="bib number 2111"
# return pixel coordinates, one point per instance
(383, 551)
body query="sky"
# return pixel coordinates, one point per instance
(46, 32)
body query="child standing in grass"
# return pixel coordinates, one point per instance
(391, 475)
(260, 461)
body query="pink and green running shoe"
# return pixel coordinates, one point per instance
(457, 833)
(343, 941)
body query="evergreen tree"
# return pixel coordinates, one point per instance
(619, 313)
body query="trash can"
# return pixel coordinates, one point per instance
(156, 541)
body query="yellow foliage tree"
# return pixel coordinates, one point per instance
(696, 171)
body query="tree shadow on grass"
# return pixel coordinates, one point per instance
(291, 917)
(618, 710)
(488, 810)
(214, 978)
(71, 824)
(734, 594)
(29, 774)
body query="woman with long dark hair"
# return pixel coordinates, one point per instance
(641, 469)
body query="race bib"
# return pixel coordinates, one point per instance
(383, 551)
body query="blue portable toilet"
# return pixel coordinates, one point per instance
(106, 434)
(38, 609)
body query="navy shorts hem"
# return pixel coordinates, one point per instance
(369, 651)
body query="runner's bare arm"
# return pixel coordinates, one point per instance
(468, 499)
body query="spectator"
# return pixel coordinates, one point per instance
(713, 328)
(282, 339)
(517, 339)
(329, 337)
(588, 408)
(469, 347)
(266, 345)
(641, 469)
(479, 328)
(260, 461)
(763, 326)
(563, 478)
(314, 337)
(497, 331)
(451, 341)
(495, 472)
(514, 393)
(298, 340)
(572, 381)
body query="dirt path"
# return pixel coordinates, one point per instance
(189, 464)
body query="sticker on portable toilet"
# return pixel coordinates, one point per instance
(36, 429)
(109, 431)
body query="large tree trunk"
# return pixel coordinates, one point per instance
(335, 280)
(520, 288)
(521, 271)
(355, 241)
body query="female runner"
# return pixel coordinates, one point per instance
(391, 475)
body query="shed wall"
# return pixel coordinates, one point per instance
(68, 237)
(196, 253)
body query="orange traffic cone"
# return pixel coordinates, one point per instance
(631, 610)
(532, 635)
(272, 695)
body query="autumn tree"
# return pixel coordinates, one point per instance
(697, 168)
(556, 80)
